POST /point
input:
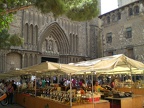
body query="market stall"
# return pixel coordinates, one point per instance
(107, 64)
(119, 64)
(38, 102)
(135, 101)
(51, 98)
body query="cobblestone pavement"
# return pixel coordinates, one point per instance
(11, 106)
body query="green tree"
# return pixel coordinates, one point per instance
(77, 10)
(7, 40)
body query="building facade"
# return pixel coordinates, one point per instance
(125, 2)
(50, 39)
(123, 31)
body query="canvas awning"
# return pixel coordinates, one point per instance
(49, 67)
(115, 63)
(5, 76)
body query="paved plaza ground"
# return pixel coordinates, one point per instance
(11, 106)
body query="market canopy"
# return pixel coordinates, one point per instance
(49, 67)
(39, 68)
(42, 67)
(5, 76)
(115, 63)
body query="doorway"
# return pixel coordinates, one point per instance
(44, 59)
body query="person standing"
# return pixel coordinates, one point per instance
(15, 88)
(112, 84)
(43, 83)
(98, 87)
(14, 85)
(10, 91)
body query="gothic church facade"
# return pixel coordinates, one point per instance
(50, 39)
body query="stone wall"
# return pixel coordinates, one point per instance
(71, 39)
(120, 43)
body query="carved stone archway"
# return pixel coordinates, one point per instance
(53, 42)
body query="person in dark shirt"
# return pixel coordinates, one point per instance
(112, 84)
(10, 91)
(14, 88)
(14, 85)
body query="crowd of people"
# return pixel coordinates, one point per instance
(8, 87)
(87, 85)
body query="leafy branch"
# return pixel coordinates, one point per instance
(7, 40)
(77, 10)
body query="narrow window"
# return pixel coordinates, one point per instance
(130, 12)
(129, 32)
(118, 16)
(109, 38)
(108, 20)
(136, 10)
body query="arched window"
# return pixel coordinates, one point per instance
(130, 12)
(77, 43)
(136, 9)
(31, 34)
(71, 43)
(36, 34)
(26, 33)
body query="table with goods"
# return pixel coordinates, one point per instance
(123, 98)
(53, 97)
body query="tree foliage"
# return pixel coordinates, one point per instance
(57, 7)
(16, 40)
(4, 40)
(7, 40)
(7, 9)
(77, 10)
(83, 11)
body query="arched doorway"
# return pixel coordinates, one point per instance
(14, 60)
(54, 44)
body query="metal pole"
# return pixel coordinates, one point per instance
(92, 86)
(131, 78)
(143, 75)
(58, 78)
(35, 84)
(85, 77)
(70, 91)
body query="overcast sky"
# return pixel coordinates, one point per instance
(108, 5)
